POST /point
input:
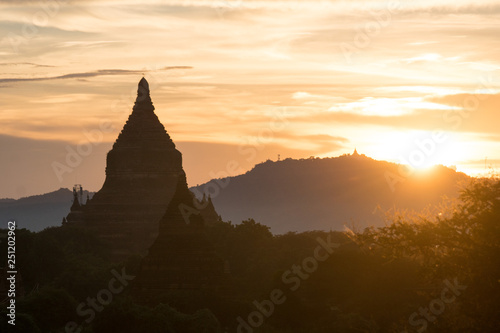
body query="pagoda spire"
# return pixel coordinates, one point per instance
(143, 88)
(180, 211)
(143, 101)
(76, 203)
(143, 128)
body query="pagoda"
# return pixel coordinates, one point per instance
(182, 257)
(142, 170)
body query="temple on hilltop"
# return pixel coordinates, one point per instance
(142, 172)
(356, 154)
(181, 258)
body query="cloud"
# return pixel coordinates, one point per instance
(388, 106)
(176, 67)
(276, 55)
(100, 72)
(322, 143)
(30, 170)
(24, 64)
(315, 144)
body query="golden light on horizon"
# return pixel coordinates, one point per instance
(215, 164)
(352, 74)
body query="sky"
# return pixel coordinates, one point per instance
(238, 82)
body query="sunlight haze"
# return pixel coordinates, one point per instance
(412, 82)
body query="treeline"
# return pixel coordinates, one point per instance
(418, 274)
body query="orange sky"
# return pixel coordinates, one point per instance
(237, 82)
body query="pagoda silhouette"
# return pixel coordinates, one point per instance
(143, 170)
(182, 257)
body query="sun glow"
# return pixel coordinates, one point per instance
(254, 68)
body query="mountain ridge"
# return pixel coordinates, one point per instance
(326, 193)
(40, 211)
(287, 195)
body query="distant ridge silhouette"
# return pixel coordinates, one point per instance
(325, 194)
(38, 212)
(287, 195)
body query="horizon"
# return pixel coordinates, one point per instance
(250, 166)
(412, 171)
(383, 77)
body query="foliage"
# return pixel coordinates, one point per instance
(465, 244)
(372, 282)
(124, 315)
(50, 307)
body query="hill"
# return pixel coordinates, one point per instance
(39, 211)
(289, 195)
(326, 194)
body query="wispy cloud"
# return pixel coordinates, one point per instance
(100, 72)
(252, 59)
(24, 64)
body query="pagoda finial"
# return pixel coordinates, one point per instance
(355, 152)
(143, 101)
(143, 88)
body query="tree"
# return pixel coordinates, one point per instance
(462, 243)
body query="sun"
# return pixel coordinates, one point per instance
(429, 149)
(421, 162)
